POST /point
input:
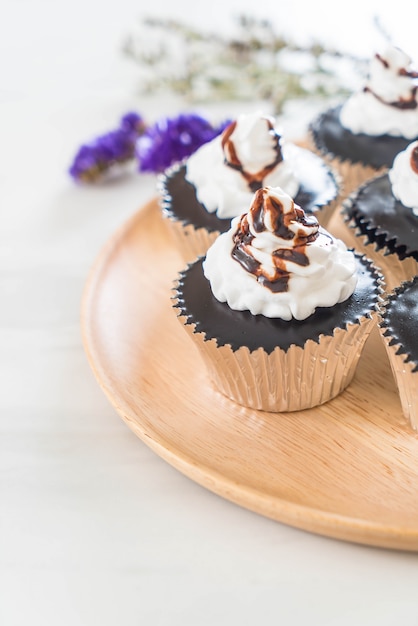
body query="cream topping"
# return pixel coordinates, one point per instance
(404, 177)
(247, 156)
(388, 103)
(278, 262)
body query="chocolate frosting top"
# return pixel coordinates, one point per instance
(400, 320)
(218, 321)
(384, 219)
(332, 139)
(317, 188)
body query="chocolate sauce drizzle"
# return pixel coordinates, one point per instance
(409, 104)
(264, 205)
(414, 160)
(404, 104)
(254, 181)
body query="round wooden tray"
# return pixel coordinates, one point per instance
(347, 469)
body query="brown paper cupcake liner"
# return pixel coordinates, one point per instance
(291, 380)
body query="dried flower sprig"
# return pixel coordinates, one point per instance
(95, 159)
(154, 147)
(172, 139)
(252, 65)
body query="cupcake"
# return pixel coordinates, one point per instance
(382, 218)
(279, 308)
(201, 196)
(361, 137)
(398, 325)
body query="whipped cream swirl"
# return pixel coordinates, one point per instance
(388, 104)
(247, 156)
(278, 262)
(404, 177)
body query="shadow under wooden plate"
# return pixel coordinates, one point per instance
(347, 469)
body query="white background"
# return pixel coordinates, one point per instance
(95, 529)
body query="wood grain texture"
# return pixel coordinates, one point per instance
(347, 469)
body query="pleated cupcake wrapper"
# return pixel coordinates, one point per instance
(394, 269)
(326, 211)
(406, 379)
(291, 380)
(352, 175)
(324, 214)
(190, 241)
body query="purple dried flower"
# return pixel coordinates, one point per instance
(132, 123)
(117, 147)
(170, 140)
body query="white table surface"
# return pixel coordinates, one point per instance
(95, 529)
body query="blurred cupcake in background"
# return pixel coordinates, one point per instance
(361, 137)
(399, 328)
(382, 219)
(200, 196)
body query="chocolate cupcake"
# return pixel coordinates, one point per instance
(361, 137)
(398, 325)
(382, 219)
(201, 196)
(279, 309)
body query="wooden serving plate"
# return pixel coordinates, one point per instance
(347, 469)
